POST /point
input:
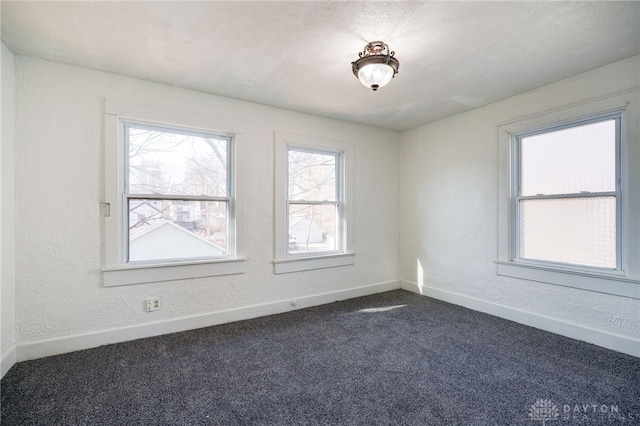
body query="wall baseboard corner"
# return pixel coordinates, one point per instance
(615, 342)
(7, 361)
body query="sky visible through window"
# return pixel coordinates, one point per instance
(313, 201)
(170, 163)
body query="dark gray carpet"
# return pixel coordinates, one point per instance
(395, 358)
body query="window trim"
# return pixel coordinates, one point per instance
(625, 280)
(283, 261)
(116, 271)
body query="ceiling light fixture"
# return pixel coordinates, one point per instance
(376, 65)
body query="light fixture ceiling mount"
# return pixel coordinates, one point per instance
(376, 65)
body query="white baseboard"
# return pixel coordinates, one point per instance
(7, 360)
(60, 345)
(605, 339)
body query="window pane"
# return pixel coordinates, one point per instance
(312, 176)
(312, 228)
(169, 229)
(569, 161)
(162, 162)
(579, 231)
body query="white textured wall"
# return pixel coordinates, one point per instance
(449, 181)
(448, 205)
(7, 255)
(59, 180)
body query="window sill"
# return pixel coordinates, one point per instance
(603, 283)
(139, 274)
(286, 266)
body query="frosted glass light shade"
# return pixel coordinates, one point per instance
(375, 76)
(376, 65)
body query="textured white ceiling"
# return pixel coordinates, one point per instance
(454, 56)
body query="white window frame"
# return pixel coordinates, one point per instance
(179, 211)
(285, 262)
(116, 270)
(516, 197)
(624, 280)
(338, 203)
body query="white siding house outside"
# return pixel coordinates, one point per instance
(305, 231)
(166, 240)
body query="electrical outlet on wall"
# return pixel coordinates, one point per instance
(153, 303)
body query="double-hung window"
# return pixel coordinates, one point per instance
(567, 205)
(180, 182)
(315, 204)
(314, 220)
(170, 198)
(570, 197)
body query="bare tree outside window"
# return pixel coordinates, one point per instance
(177, 187)
(314, 201)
